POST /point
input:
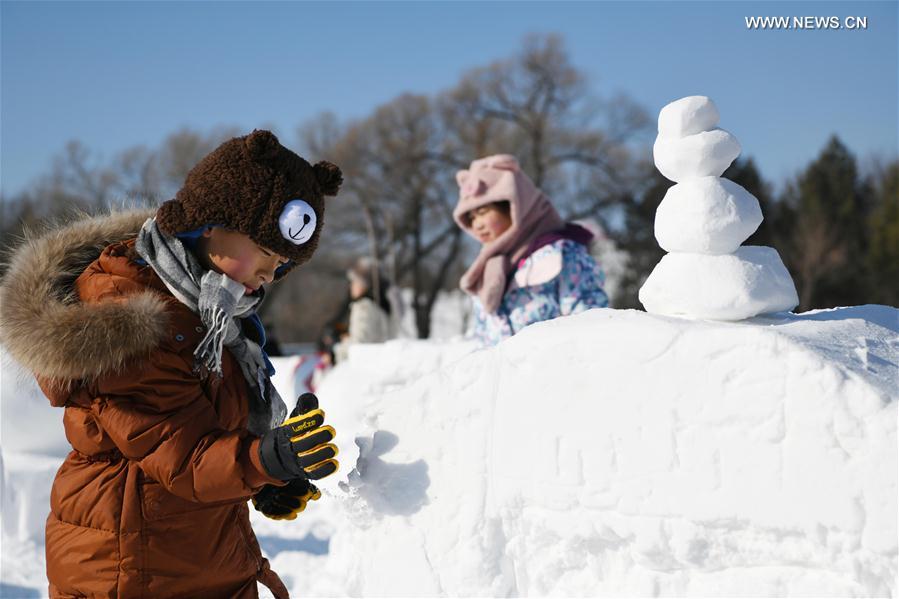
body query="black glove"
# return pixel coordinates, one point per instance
(284, 503)
(301, 447)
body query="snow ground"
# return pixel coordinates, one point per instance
(609, 453)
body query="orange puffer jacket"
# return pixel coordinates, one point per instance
(152, 499)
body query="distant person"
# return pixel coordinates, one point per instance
(532, 266)
(369, 316)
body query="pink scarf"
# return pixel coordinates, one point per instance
(493, 179)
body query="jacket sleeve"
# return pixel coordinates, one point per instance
(158, 414)
(580, 282)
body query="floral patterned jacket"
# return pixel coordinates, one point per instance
(558, 278)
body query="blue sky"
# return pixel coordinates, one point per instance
(114, 75)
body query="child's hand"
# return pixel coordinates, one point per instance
(301, 447)
(284, 503)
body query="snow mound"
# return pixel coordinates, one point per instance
(608, 453)
(619, 452)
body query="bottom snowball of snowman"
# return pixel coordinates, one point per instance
(751, 281)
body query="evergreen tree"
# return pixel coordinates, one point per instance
(823, 219)
(883, 235)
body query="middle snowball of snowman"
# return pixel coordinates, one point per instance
(706, 215)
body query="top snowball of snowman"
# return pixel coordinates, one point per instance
(687, 116)
(689, 144)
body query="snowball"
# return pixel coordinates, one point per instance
(703, 154)
(751, 281)
(706, 215)
(688, 116)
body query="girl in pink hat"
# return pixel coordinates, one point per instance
(532, 266)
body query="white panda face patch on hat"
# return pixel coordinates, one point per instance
(297, 222)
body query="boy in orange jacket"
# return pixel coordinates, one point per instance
(143, 327)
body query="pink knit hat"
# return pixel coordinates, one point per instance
(498, 178)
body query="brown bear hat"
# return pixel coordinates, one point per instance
(256, 186)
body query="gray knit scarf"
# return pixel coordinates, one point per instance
(219, 301)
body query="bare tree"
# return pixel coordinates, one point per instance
(540, 109)
(399, 163)
(398, 194)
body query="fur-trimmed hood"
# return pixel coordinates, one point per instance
(48, 330)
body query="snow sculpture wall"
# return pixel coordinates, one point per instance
(618, 453)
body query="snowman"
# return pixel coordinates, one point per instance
(702, 222)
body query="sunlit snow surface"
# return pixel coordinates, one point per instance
(610, 453)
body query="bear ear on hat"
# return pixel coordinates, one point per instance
(171, 218)
(328, 176)
(262, 145)
(461, 177)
